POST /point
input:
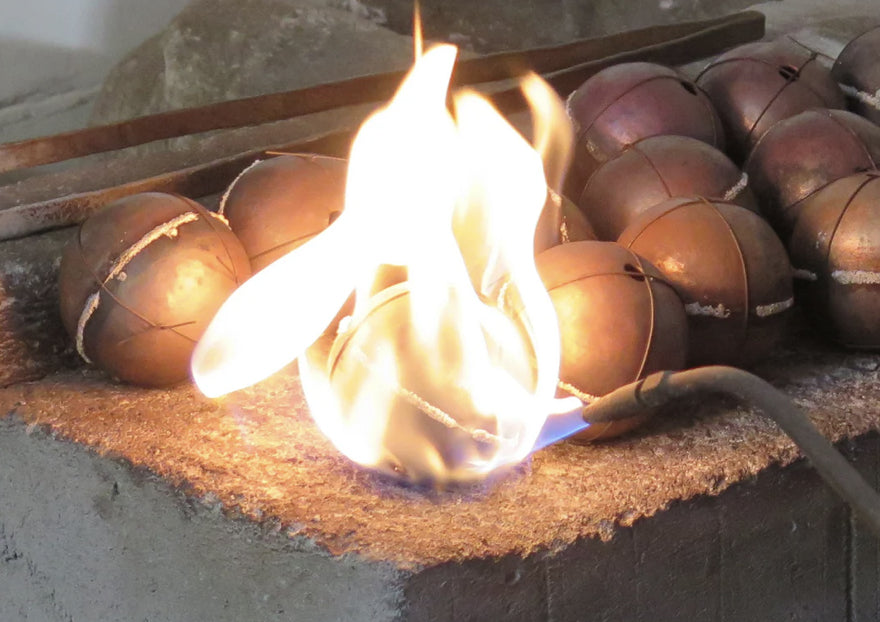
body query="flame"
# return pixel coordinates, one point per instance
(451, 373)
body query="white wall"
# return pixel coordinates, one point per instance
(55, 53)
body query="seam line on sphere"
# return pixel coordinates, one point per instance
(586, 398)
(719, 310)
(424, 406)
(168, 229)
(575, 125)
(735, 190)
(88, 310)
(871, 99)
(222, 208)
(856, 277)
(774, 307)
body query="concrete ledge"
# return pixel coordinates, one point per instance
(84, 538)
(88, 539)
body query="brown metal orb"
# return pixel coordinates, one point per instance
(624, 103)
(730, 270)
(656, 169)
(755, 85)
(278, 204)
(804, 153)
(619, 321)
(140, 282)
(858, 68)
(835, 251)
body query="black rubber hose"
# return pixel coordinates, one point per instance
(663, 387)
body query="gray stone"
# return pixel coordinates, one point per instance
(492, 25)
(217, 50)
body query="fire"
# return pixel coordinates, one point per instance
(450, 373)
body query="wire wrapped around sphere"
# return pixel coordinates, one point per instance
(835, 251)
(624, 103)
(619, 321)
(275, 205)
(656, 169)
(804, 153)
(857, 69)
(141, 280)
(728, 267)
(755, 85)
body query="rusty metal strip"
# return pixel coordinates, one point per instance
(684, 49)
(194, 181)
(359, 90)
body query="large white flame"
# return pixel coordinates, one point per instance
(452, 373)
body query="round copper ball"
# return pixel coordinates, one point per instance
(858, 70)
(804, 153)
(624, 103)
(619, 321)
(755, 85)
(141, 280)
(656, 169)
(835, 251)
(432, 430)
(729, 268)
(278, 204)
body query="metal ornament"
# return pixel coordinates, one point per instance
(141, 280)
(801, 155)
(624, 103)
(619, 320)
(755, 85)
(729, 268)
(276, 205)
(835, 250)
(654, 170)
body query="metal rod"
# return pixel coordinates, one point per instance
(663, 387)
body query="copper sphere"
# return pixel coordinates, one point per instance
(434, 431)
(656, 169)
(619, 321)
(804, 153)
(835, 251)
(624, 103)
(730, 270)
(857, 68)
(278, 204)
(561, 222)
(755, 85)
(141, 280)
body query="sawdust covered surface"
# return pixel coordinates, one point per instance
(258, 454)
